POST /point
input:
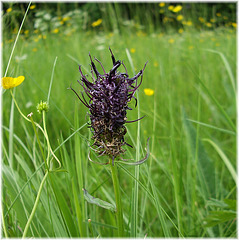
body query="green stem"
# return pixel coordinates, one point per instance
(4, 225)
(39, 143)
(35, 205)
(119, 213)
(47, 139)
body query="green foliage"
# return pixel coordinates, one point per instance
(227, 214)
(187, 186)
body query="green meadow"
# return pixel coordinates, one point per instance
(186, 187)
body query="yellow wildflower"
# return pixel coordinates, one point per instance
(171, 40)
(96, 23)
(201, 19)
(161, 11)
(149, 91)
(180, 17)
(44, 36)
(208, 24)
(36, 31)
(234, 25)
(26, 32)
(162, 4)
(219, 14)
(9, 10)
(132, 50)
(65, 19)
(10, 82)
(32, 7)
(180, 30)
(56, 30)
(212, 20)
(34, 49)
(177, 8)
(61, 22)
(189, 23)
(170, 7)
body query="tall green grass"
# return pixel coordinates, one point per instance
(187, 186)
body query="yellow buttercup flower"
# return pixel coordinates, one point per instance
(162, 4)
(149, 91)
(132, 50)
(9, 10)
(56, 30)
(180, 17)
(65, 19)
(32, 7)
(10, 82)
(234, 25)
(171, 7)
(171, 40)
(208, 24)
(180, 30)
(177, 8)
(96, 23)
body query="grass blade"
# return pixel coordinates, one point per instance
(215, 101)
(224, 159)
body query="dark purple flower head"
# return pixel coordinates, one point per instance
(109, 95)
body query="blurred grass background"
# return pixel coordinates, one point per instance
(191, 56)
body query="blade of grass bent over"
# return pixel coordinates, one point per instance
(224, 158)
(227, 66)
(215, 101)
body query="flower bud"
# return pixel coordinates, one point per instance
(42, 106)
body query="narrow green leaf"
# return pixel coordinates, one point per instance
(223, 112)
(227, 66)
(206, 169)
(63, 207)
(225, 159)
(217, 217)
(97, 201)
(231, 203)
(213, 127)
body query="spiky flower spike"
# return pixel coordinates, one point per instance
(109, 95)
